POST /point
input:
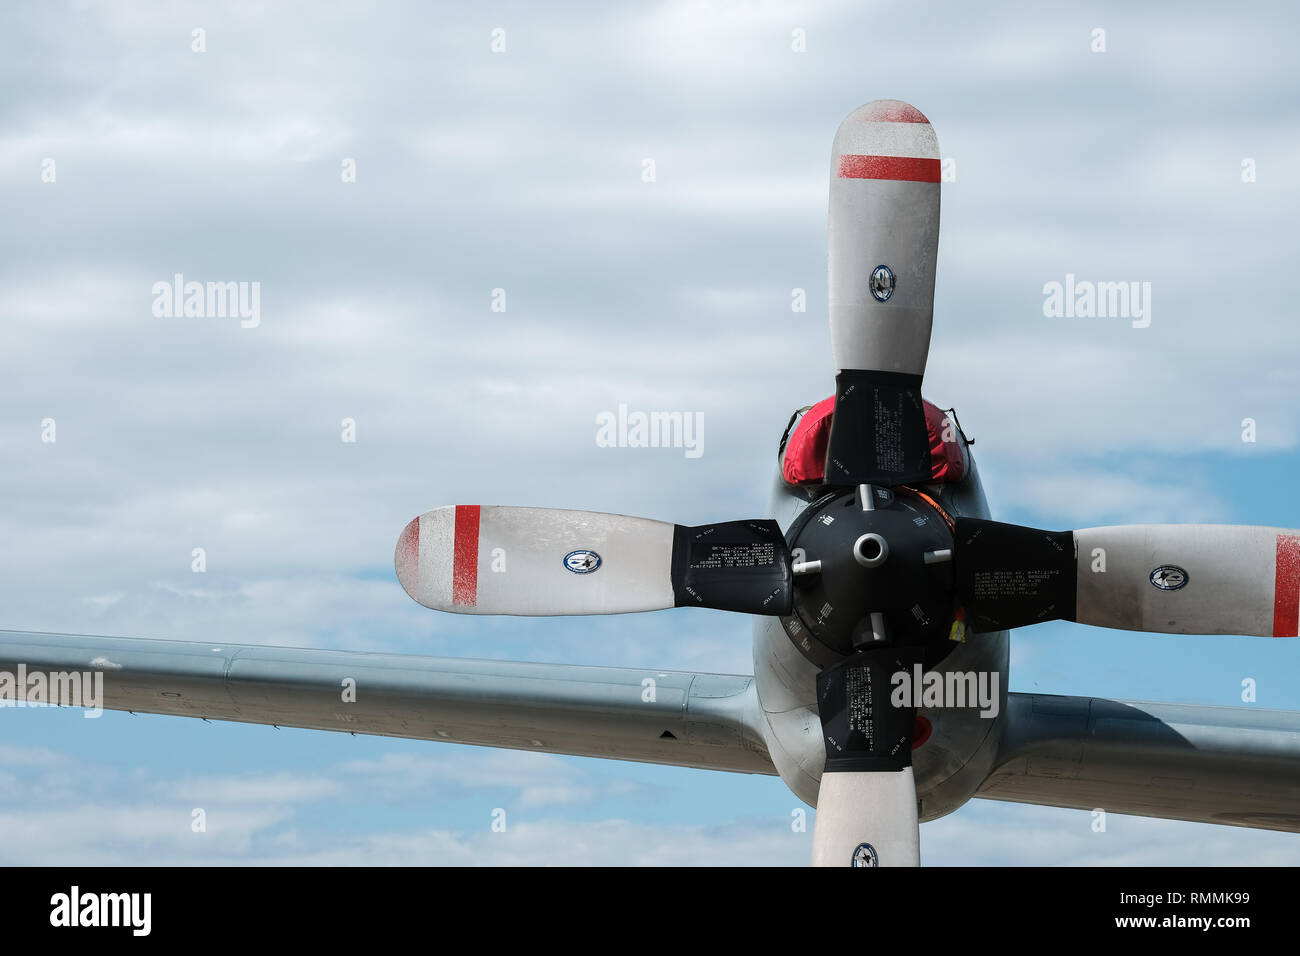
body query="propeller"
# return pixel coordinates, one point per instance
(885, 573)
(1173, 579)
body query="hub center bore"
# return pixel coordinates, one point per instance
(870, 550)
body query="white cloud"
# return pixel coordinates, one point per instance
(522, 171)
(143, 819)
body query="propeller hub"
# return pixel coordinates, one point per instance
(869, 574)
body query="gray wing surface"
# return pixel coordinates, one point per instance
(1231, 765)
(694, 720)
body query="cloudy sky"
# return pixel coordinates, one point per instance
(127, 157)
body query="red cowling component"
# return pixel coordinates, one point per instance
(805, 452)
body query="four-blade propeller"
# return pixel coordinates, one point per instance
(888, 577)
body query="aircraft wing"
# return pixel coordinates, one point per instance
(1231, 765)
(693, 720)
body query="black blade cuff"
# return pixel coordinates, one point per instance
(1009, 576)
(863, 728)
(878, 433)
(732, 566)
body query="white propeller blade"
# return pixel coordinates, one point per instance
(867, 819)
(866, 806)
(1167, 578)
(884, 210)
(475, 559)
(1190, 579)
(487, 559)
(882, 245)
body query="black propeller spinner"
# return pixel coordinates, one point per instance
(872, 567)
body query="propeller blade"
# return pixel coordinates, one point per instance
(867, 819)
(474, 559)
(1172, 579)
(866, 807)
(882, 245)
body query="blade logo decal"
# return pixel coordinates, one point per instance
(1169, 577)
(882, 283)
(582, 561)
(865, 855)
